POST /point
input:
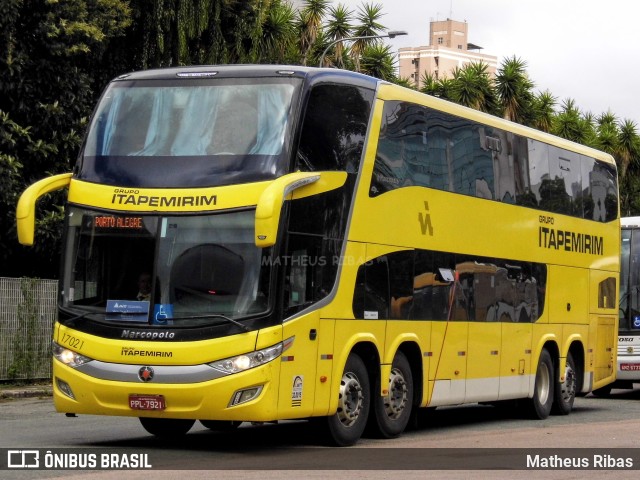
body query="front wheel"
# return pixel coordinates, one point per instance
(390, 413)
(166, 427)
(345, 427)
(539, 406)
(565, 392)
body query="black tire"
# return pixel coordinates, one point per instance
(166, 427)
(565, 392)
(539, 407)
(345, 427)
(391, 413)
(220, 425)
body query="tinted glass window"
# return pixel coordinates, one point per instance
(429, 148)
(430, 285)
(334, 128)
(195, 132)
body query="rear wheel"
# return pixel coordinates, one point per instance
(565, 392)
(539, 406)
(345, 427)
(390, 413)
(166, 427)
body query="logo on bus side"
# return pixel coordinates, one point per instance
(567, 240)
(424, 218)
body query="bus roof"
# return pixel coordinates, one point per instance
(630, 222)
(231, 71)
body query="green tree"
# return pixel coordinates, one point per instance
(628, 144)
(514, 90)
(570, 124)
(310, 26)
(338, 28)
(377, 61)
(368, 25)
(279, 37)
(48, 54)
(474, 88)
(543, 105)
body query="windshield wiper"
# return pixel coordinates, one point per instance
(215, 315)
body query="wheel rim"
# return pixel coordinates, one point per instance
(568, 387)
(351, 399)
(396, 400)
(544, 385)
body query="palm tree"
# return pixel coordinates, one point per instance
(310, 25)
(278, 33)
(570, 124)
(543, 111)
(338, 28)
(429, 84)
(513, 88)
(472, 87)
(377, 61)
(628, 149)
(368, 26)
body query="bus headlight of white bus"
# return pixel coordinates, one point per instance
(69, 357)
(246, 361)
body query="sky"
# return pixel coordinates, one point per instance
(586, 50)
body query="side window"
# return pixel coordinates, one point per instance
(420, 146)
(306, 273)
(431, 285)
(401, 284)
(373, 290)
(607, 293)
(603, 191)
(471, 154)
(564, 172)
(334, 128)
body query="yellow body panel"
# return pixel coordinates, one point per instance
(461, 361)
(205, 400)
(125, 350)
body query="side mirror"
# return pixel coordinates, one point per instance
(294, 185)
(26, 209)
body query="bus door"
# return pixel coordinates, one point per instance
(433, 300)
(479, 301)
(299, 362)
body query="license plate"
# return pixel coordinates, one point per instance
(147, 402)
(630, 367)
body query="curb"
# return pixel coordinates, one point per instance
(26, 392)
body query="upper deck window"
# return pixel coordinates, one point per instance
(188, 133)
(421, 146)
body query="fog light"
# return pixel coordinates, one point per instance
(245, 395)
(65, 388)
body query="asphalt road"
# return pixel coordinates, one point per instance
(266, 451)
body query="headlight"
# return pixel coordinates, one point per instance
(248, 360)
(69, 357)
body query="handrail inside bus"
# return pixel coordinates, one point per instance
(26, 209)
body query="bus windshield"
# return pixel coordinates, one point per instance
(185, 270)
(218, 132)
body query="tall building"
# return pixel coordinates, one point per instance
(448, 48)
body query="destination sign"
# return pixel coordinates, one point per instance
(110, 221)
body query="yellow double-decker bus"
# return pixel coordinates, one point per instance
(260, 243)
